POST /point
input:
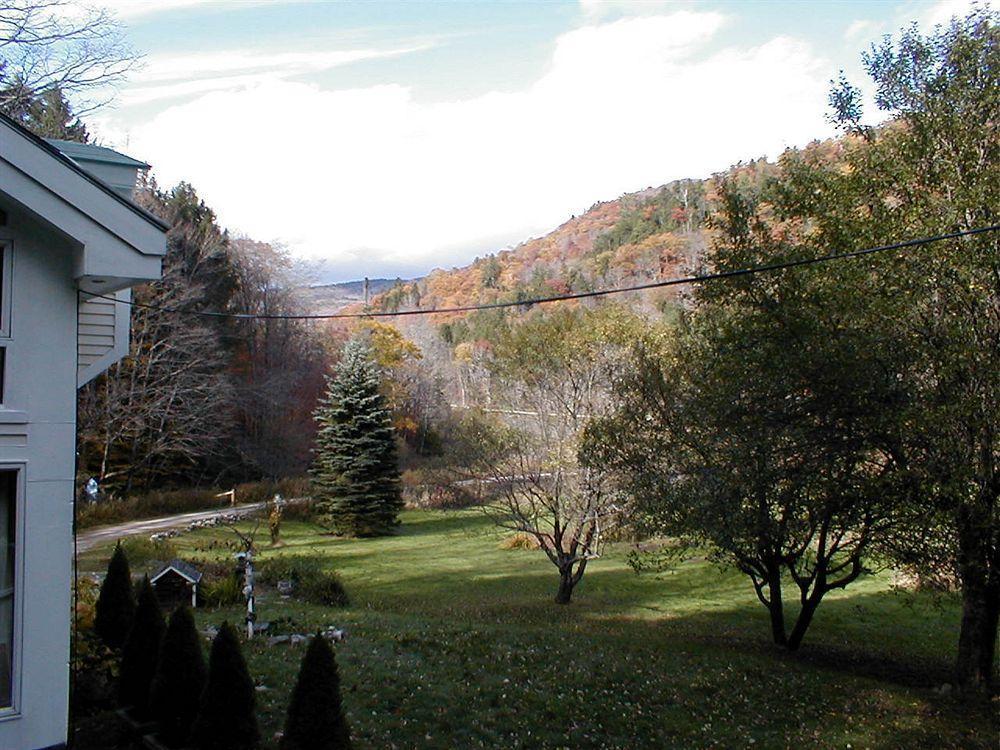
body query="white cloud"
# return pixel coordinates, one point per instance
(861, 29)
(943, 11)
(131, 9)
(170, 76)
(596, 10)
(374, 179)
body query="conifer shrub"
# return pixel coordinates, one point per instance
(180, 679)
(355, 470)
(315, 719)
(140, 652)
(115, 606)
(227, 717)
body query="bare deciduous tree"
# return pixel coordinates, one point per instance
(550, 377)
(56, 45)
(166, 406)
(280, 364)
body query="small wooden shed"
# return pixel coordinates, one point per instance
(176, 583)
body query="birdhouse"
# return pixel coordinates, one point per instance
(176, 583)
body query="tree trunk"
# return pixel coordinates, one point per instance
(802, 622)
(988, 653)
(977, 637)
(566, 584)
(775, 606)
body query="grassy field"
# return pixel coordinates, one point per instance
(456, 643)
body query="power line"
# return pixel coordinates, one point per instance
(696, 279)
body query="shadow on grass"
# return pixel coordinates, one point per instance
(876, 635)
(472, 650)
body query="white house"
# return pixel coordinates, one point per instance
(67, 227)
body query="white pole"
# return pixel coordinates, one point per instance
(248, 590)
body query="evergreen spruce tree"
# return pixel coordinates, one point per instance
(140, 652)
(355, 473)
(116, 604)
(180, 679)
(227, 719)
(315, 719)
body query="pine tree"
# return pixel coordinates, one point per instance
(227, 718)
(116, 604)
(315, 718)
(51, 116)
(355, 473)
(140, 652)
(180, 679)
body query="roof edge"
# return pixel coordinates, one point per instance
(97, 182)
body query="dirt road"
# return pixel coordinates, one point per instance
(104, 534)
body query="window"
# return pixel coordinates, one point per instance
(8, 577)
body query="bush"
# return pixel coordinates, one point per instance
(315, 719)
(519, 541)
(221, 592)
(313, 583)
(94, 666)
(104, 731)
(140, 652)
(227, 717)
(444, 497)
(326, 589)
(304, 511)
(288, 488)
(142, 550)
(115, 606)
(180, 678)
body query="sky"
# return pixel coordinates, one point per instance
(386, 139)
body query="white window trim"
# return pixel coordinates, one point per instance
(13, 711)
(7, 289)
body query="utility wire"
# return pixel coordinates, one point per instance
(696, 279)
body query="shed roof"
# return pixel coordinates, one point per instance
(90, 152)
(183, 569)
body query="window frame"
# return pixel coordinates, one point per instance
(20, 468)
(6, 286)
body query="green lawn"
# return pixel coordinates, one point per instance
(455, 643)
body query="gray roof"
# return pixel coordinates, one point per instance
(72, 164)
(90, 152)
(186, 570)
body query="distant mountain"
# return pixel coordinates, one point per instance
(652, 234)
(324, 299)
(649, 235)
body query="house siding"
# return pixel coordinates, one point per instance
(64, 234)
(37, 437)
(102, 334)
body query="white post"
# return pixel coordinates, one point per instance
(231, 494)
(248, 592)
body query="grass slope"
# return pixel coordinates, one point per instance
(455, 643)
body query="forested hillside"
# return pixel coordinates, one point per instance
(656, 233)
